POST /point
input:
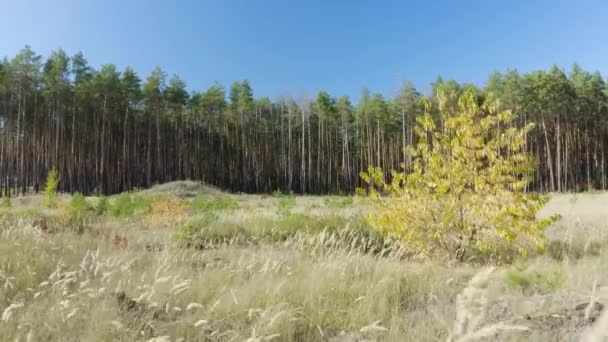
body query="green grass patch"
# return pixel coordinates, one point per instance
(103, 206)
(285, 202)
(214, 203)
(78, 207)
(208, 230)
(338, 203)
(528, 281)
(194, 230)
(6, 203)
(125, 205)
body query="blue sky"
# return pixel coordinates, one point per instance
(300, 47)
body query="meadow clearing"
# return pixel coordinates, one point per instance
(186, 262)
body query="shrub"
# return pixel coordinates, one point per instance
(216, 203)
(193, 230)
(78, 207)
(103, 205)
(125, 205)
(122, 205)
(165, 211)
(466, 190)
(50, 189)
(74, 215)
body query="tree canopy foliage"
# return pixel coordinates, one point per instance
(111, 130)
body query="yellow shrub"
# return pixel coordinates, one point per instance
(166, 211)
(465, 194)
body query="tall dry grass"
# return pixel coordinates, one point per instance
(323, 280)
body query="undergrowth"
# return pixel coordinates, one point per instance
(205, 203)
(107, 269)
(125, 205)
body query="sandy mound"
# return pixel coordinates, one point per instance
(182, 189)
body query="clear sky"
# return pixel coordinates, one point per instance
(296, 47)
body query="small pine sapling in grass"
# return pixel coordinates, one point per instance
(103, 205)
(78, 207)
(125, 205)
(465, 195)
(50, 189)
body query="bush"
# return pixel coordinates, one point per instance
(50, 189)
(103, 205)
(216, 203)
(78, 207)
(465, 195)
(125, 205)
(74, 216)
(165, 211)
(194, 230)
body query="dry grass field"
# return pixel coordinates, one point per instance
(186, 262)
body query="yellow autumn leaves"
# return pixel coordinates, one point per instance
(465, 195)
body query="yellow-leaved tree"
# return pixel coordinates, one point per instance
(465, 195)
